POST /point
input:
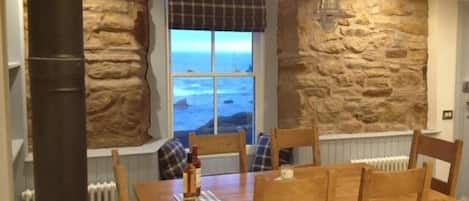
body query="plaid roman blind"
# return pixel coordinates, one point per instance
(218, 15)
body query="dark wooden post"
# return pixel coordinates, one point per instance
(56, 65)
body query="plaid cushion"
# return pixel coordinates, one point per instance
(262, 160)
(172, 159)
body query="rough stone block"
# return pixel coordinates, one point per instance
(366, 76)
(118, 99)
(396, 54)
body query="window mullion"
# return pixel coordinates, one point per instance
(215, 105)
(215, 88)
(220, 75)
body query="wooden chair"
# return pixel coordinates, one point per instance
(318, 187)
(442, 150)
(222, 144)
(386, 185)
(290, 138)
(120, 174)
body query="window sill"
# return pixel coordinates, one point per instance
(13, 65)
(148, 148)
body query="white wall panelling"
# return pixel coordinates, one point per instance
(342, 151)
(140, 168)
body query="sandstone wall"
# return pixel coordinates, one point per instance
(116, 46)
(368, 75)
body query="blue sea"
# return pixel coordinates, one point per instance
(194, 97)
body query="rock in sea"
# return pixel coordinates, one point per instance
(181, 104)
(228, 101)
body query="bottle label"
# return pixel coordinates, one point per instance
(189, 180)
(193, 180)
(185, 180)
(198, 177)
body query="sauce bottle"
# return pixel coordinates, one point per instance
(190, 190)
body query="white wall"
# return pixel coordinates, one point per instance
(270, 67)
(157, 73)
(442, 50)
(6, 185)
(462, 123)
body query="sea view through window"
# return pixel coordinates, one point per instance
(213, 83)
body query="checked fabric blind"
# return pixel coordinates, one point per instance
(218, 15)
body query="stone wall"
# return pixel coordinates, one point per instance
(368, 75)
(116, 46)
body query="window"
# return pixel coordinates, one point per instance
(213, 83)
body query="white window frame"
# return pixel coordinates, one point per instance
(257, 74)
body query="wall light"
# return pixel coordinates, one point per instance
(327, 14)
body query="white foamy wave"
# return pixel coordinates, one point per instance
(179, 92)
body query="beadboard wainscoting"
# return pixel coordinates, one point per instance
(342, 151)
(339, 149)
(140, 168)
(141, 163)
(335, 149)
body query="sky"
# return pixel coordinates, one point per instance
(200, 41)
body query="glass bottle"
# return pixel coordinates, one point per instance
(198, 170)
(189, 180)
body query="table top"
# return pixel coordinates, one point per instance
(240, 187)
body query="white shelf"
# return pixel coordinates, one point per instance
(16, 146)
(13, 65)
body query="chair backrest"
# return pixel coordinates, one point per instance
(381, 185)
(120, 174)
(318, 187)
(442, 150)
(222, 144)
(290, 138)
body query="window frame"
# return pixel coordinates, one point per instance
(257, 75)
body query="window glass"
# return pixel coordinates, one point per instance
(233, 52)
(236, 106)
(191, 51)
(193, 107)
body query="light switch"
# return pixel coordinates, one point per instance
(447, 115)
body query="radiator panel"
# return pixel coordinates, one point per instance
(106, 191)
(389, 164)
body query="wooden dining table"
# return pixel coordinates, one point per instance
(240, 187)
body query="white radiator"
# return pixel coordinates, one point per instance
(395, 163)
(97, 192)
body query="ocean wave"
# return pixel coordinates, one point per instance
(179, 92)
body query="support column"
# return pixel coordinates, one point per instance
(56, 64)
